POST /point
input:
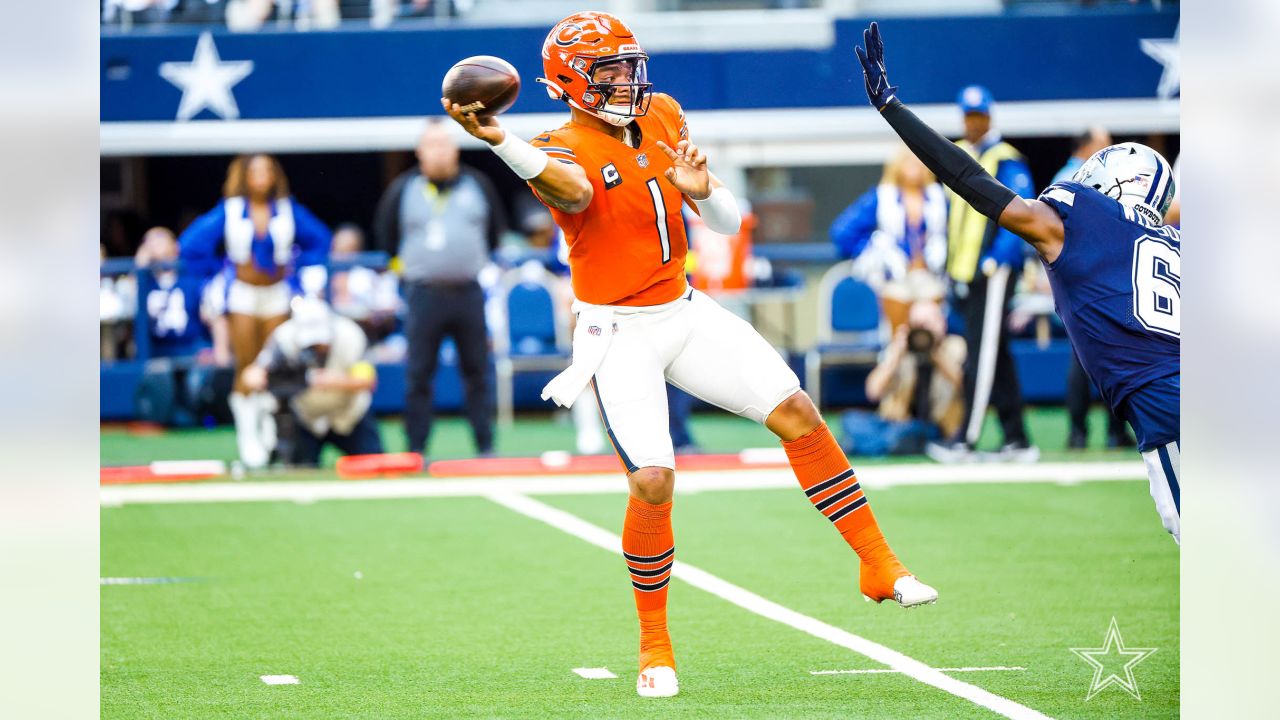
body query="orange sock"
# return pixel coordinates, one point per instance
(648, 545)
(829, 482)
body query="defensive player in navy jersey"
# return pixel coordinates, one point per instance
(1115, 268)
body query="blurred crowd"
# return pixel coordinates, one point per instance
(259, 312)
(248, 15)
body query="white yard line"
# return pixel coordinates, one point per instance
(145, 580)
(877, 671)
(748, 600)
(875, 476)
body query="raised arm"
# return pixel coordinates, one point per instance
(1032, 220)
(563, 186)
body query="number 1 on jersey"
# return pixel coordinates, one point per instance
(660, 207)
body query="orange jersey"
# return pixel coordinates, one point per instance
(628, 247)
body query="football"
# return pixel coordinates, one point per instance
(483, 84)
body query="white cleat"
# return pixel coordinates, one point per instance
(910, 592)
(660, 681)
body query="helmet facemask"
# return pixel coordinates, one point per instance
(618, 88)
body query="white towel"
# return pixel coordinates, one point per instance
(590, 343)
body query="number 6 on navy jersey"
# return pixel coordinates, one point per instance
(1157, 286)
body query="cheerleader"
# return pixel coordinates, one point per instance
(896, 234)
(269, 243)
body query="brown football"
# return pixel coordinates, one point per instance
(483, 84)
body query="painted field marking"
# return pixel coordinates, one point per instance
(747, 600)
(146, 580)
(877, 476)
(280, 679)
(595, 673)
(877, 671)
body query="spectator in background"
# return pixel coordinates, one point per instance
(542, 234)
(896, 234)
(363, 294)
(434, 8)
(1083, 146)
(173, 302)
(442, 221)
(918, 384)
(249, 15)
(314, 364)
(1079, 387)
(117, 298)
(137, 12)
(981, 259)
(263, 233)
(206, 12)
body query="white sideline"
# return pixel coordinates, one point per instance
(748, 600)
(875, 476)
(877, 671)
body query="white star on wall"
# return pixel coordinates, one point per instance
(1165, 52)
(206, 81)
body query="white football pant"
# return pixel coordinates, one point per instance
(1163, 470)
(700, 348)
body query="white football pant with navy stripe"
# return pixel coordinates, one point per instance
(699, 347)
(1163, 472)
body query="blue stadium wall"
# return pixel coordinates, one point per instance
(396, 72)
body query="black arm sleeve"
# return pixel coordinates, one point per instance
(953, 166)
(386, 219)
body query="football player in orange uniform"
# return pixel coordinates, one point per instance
(615, 177)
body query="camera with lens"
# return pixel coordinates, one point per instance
(921, 342)
(287, 377)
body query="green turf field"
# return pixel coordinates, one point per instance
(460, 607)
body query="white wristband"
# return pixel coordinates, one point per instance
(720, 212)
(526, 160)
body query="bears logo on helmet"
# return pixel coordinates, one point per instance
(593, 62)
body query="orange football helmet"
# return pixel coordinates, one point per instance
(593, 62)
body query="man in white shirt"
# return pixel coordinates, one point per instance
(314, 362)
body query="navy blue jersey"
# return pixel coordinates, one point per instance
(1117, 286)
(173, 315)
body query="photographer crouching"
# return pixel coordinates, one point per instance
(314, 366)
(918, 384)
